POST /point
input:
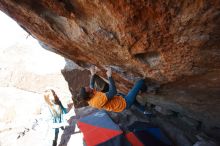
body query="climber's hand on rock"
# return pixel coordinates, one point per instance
(109, 72)
(93, 70)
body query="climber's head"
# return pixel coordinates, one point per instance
(85, 93)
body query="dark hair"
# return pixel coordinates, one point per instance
(83, 94)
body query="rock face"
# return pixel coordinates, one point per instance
(162, 40)
(172, 43)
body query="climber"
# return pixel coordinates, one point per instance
(59, 114)
(111, 100)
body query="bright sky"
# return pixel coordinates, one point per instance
(10, 31)
(12, 36)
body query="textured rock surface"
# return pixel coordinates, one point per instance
(162, 40)
(173, 43)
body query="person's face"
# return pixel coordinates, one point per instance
(88, 90)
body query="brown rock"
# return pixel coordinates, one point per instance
(141, 46)
(111, 32)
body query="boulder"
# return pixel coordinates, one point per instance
(174, 44)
